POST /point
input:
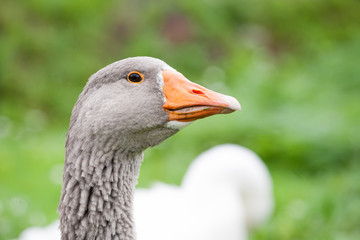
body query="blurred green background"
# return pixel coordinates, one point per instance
(293, 65)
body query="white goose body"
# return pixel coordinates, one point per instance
(226, 191)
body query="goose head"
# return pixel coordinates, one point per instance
(141, 101)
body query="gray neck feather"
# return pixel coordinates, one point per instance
(98, 185)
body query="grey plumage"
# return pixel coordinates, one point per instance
(108, 132)
(112, 123)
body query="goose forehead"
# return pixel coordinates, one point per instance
(146, 63)
(152, 67)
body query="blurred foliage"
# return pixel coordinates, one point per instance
(294, 66)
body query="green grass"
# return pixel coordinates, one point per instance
(314, 207)
(30, 182)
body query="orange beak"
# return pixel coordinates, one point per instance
(187, 101)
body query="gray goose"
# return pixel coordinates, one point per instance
(125, 107)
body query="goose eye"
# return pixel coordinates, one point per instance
(135, 77)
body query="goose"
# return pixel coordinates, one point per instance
(125, 108)
(225, 193)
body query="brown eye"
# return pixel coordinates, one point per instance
(135, 77)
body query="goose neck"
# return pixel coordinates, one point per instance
(97, 195)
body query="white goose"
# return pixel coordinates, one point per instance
(226, 191)
(125, 108)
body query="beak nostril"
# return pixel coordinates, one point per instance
(196, 91)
